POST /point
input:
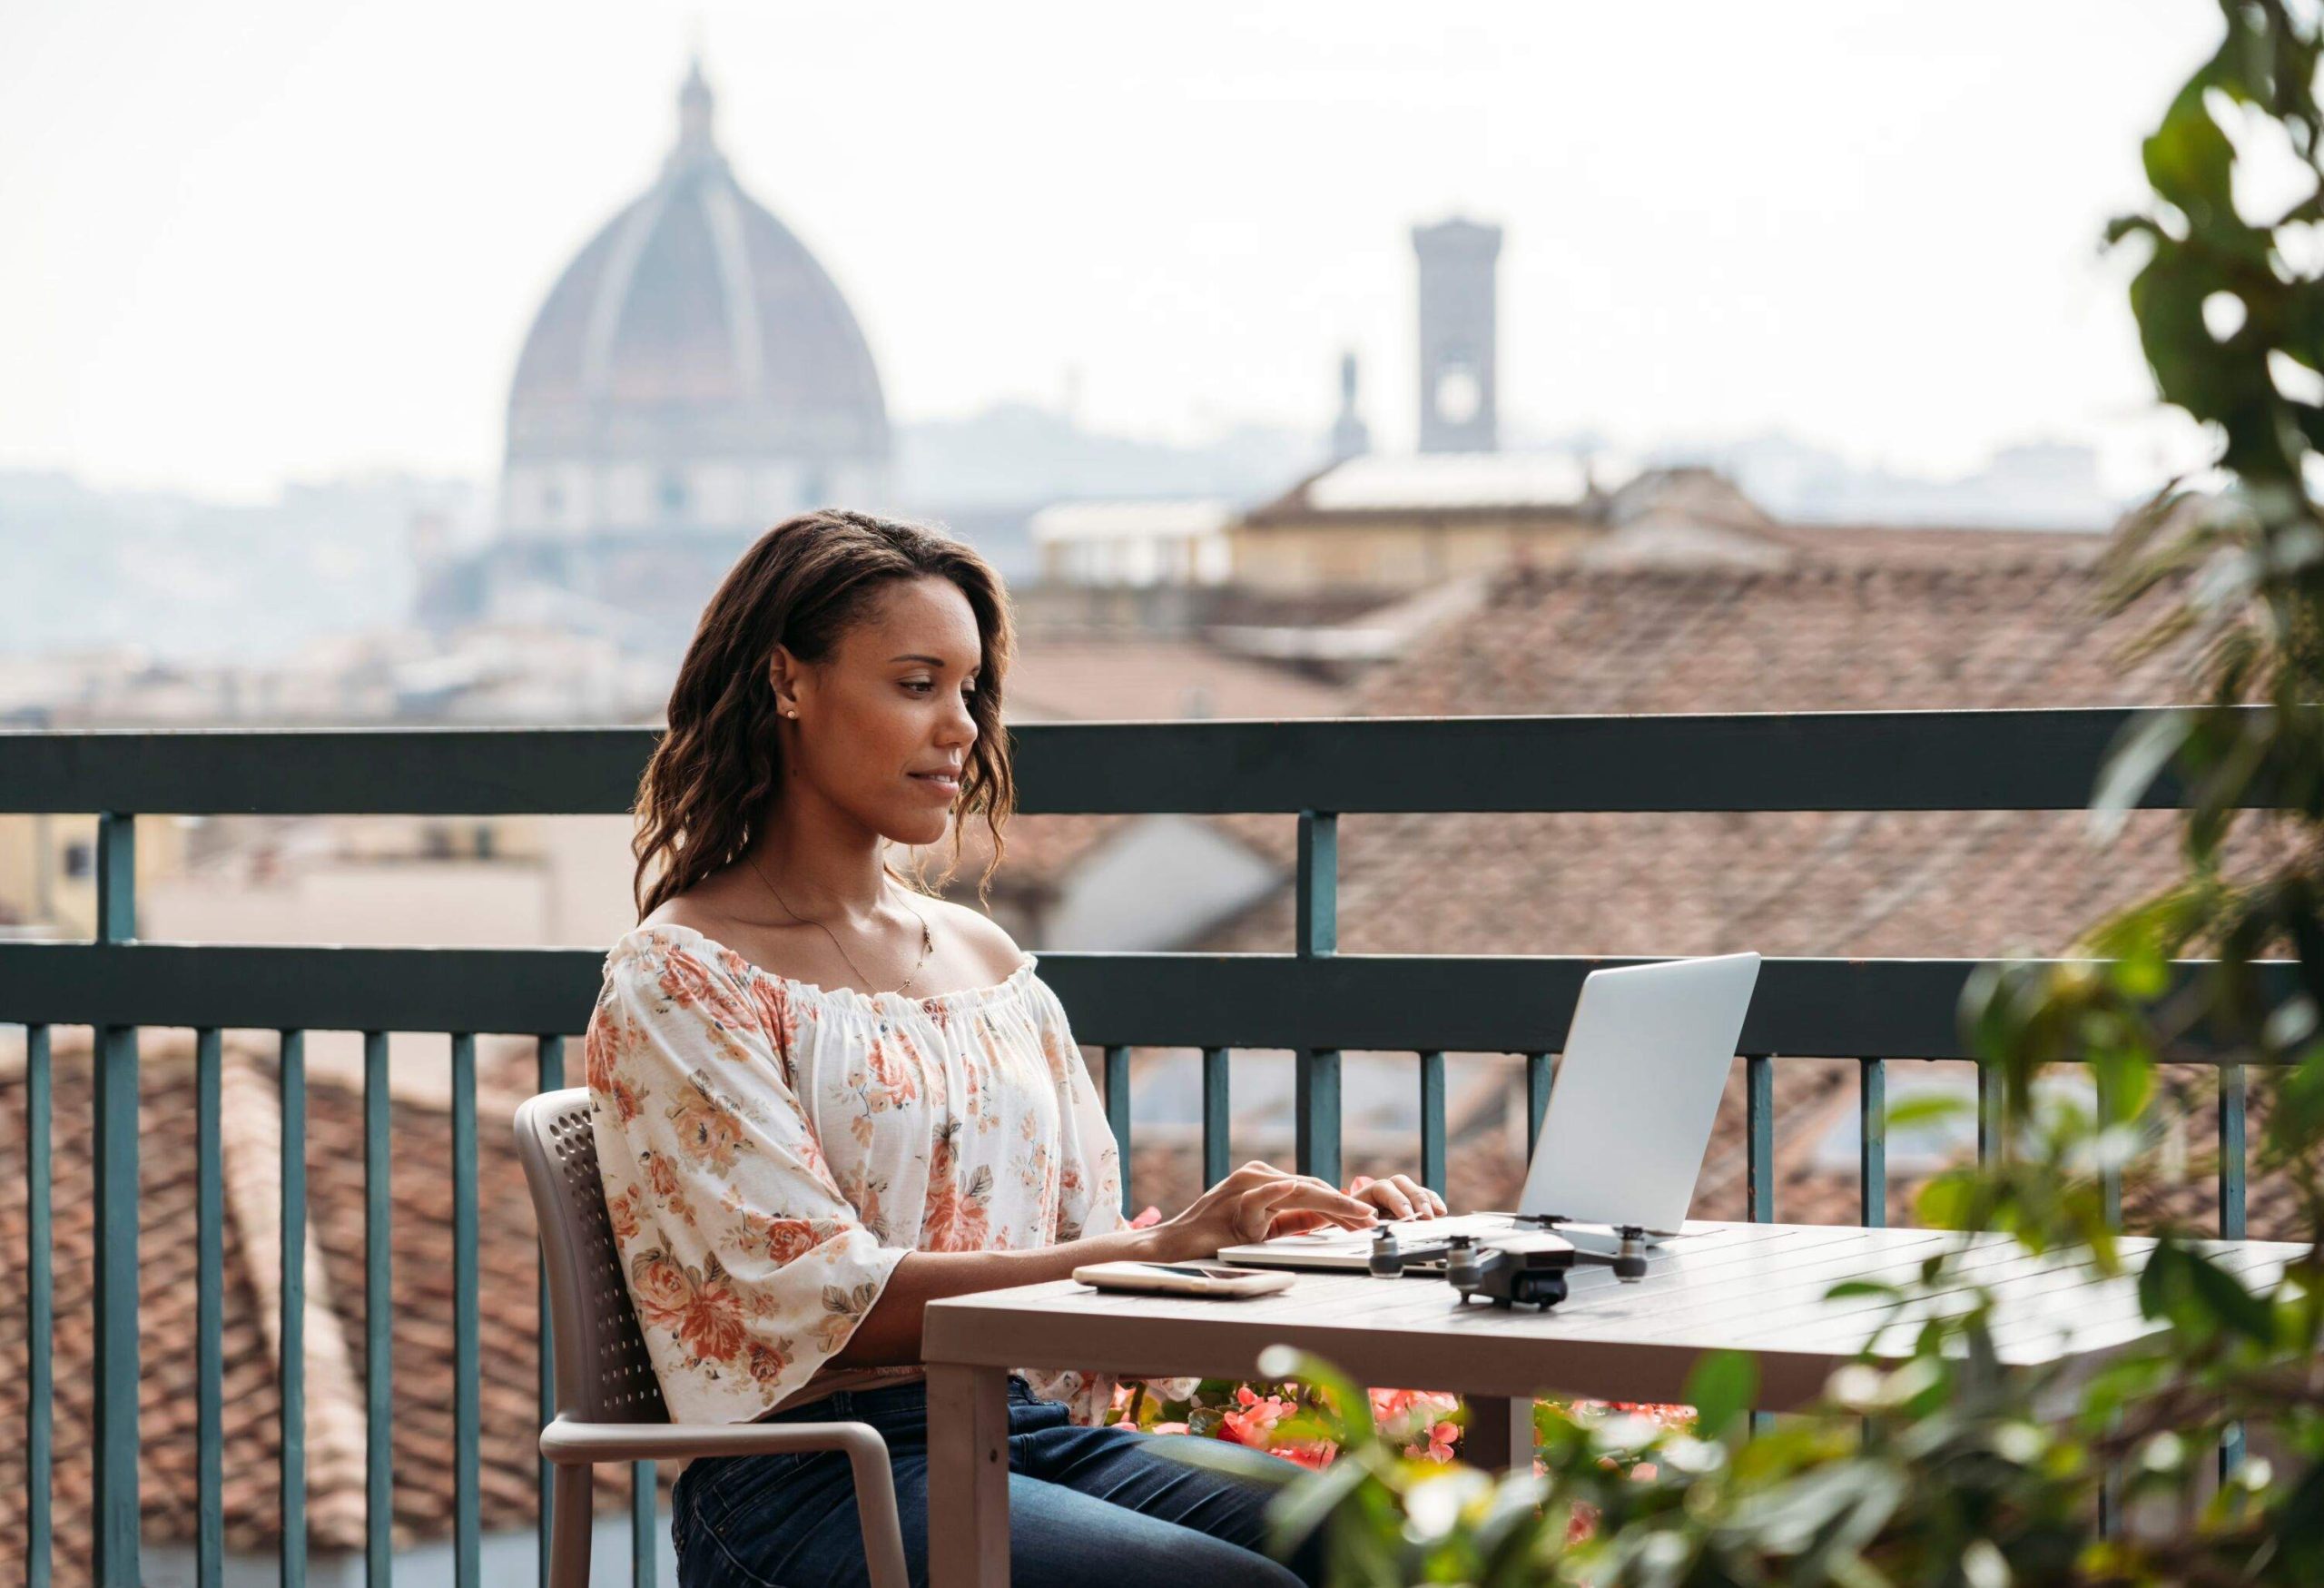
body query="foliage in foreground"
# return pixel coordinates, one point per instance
(1930, 1463)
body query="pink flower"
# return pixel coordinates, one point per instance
(1665, 1415)
(1388, 1404)
(1168, 1428)
(1147, 1219)
(1440, 1440)
(1255, 1424)
(1401, 1403)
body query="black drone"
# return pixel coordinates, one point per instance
(1526, 1267)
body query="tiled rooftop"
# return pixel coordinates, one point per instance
(1859, 620)
(422, 1328)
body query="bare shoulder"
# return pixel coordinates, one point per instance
(693, 913)
(704, 908)
(983, 938)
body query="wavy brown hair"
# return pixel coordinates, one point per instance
(708, 782)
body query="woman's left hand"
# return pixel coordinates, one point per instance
(1396, 1197)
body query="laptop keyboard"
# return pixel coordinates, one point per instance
(1413, 1236)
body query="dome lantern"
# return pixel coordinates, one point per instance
(696, 147)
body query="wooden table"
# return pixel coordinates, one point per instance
(1753, 1286)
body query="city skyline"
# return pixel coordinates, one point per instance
(1898, 261)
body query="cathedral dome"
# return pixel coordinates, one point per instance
(693, 332)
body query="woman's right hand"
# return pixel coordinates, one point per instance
(1245, 1206)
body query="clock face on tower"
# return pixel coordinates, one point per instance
(1458, 396)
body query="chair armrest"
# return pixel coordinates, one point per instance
(567, 1443)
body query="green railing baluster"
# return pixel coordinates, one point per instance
(379, 1318)
(1317, 1099)
(209, 1310)
(1316, 935)
(466, 1431)
(1872, 1143)
(1117, 1112)
(548, 1075)
(1538, 1075)
(2232, 1151)
(1431, 1120)
(1759, 1164)
(2233, 1163)
(1990, 1099)
(1759, 1135)
(116, 1130)
(1217, 1122)
(2110, 1179)
(293, 1079)
(642, 1524)
(40, 1310)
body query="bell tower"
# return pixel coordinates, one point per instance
(1459, 403)
(1351, 437)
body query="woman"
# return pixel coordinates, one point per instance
(823, 1098)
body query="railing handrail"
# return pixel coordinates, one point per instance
(1803, 1008)
(1963, 760)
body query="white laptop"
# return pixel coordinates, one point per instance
(1630, 1118)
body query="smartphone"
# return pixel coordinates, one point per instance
(1183, 1278)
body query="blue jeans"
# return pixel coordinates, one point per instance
(1102, 1505)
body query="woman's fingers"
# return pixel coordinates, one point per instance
(1259, 1201)
(1257, 1209)
(1426, 1204)
(1398, 1196)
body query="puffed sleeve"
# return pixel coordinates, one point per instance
(748, 1268)
(1090, 1198)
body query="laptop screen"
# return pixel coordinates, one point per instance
(1630, 1116)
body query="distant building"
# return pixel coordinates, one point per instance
(692, 377)
(1109, 545)
(1459, 336)
(1390, 525)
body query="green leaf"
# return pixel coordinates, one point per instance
(1930, 1108)
(2154, 1280)
(1949, 1201)
(1348, 1402)
(2235, 1306)
(1309, 1503)
(2132, 765)
(1721, 1387)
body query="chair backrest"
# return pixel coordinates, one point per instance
(603, 1373)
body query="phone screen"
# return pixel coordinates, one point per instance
(1196, 1271)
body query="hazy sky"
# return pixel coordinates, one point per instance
(266, 238)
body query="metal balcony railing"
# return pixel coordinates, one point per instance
(1314, 1001)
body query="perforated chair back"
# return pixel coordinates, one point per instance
(603, 1374)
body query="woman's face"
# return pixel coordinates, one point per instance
(883, 729)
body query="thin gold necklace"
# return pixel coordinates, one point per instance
(926, 939)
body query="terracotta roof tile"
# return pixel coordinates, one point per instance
(421, 1330)
(1137, 679)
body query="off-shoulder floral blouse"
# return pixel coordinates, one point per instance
(770, 1149)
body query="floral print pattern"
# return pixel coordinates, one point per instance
(770, 1149)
